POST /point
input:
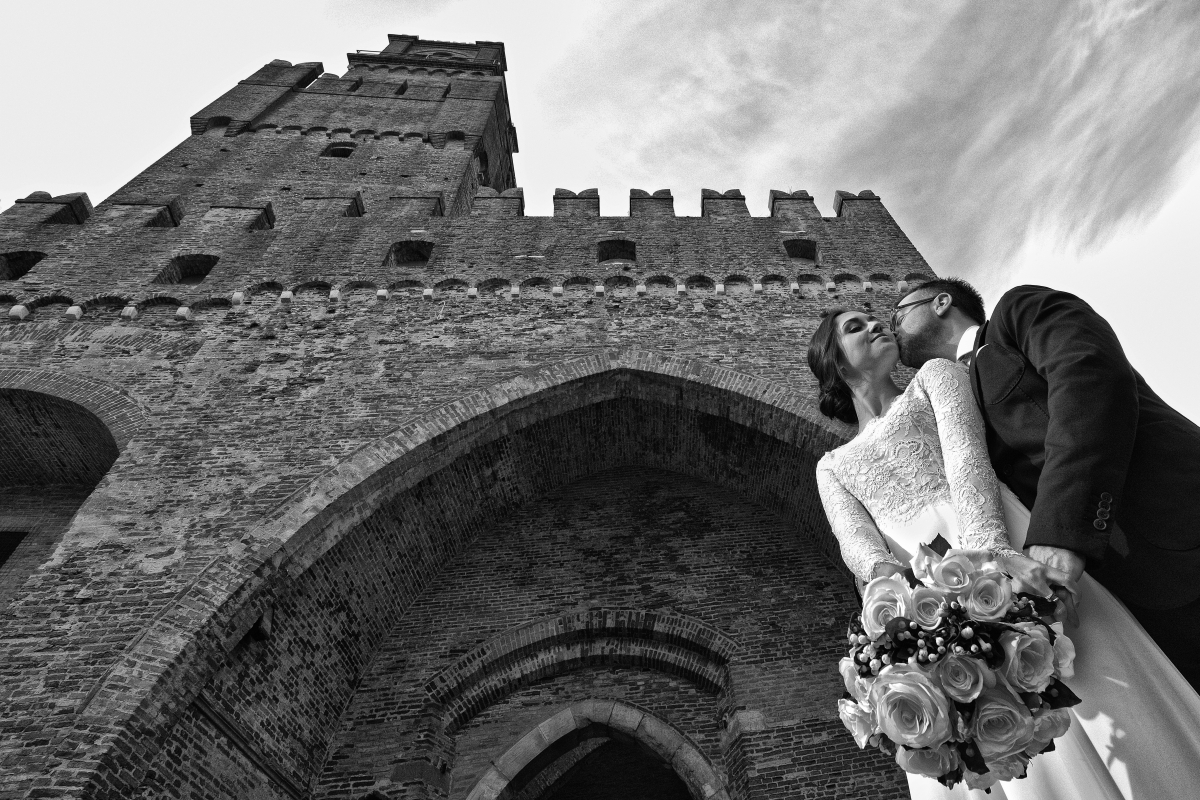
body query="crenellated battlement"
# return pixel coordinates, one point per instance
(404, 243)
(234, 252)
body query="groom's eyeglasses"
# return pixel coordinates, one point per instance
(897, 316)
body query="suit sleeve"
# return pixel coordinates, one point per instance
(1092, 410)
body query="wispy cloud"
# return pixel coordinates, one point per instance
(981, 124)
(1071, 119)
(750, 95)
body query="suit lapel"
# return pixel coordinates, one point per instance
(980, 343)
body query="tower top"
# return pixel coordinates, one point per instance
(414, 52)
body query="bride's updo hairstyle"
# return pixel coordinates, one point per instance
(824, 356)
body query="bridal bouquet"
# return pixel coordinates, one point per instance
(955, 672)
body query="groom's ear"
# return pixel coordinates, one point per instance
(942, 305)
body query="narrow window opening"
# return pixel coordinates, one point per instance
(188, 270)
(409, 254)
(339, 150)
(14, 265)
(611, 249)
(9, 541)
(481, 169)
(259, 632)
(803, 249)
(403, 87)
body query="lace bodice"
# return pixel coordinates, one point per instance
(927, 448)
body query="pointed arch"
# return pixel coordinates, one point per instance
(230, 596)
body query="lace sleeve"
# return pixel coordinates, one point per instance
(860, 541)
(974, 487)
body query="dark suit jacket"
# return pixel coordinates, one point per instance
(1083, 442)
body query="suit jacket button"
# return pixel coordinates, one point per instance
(1100, 524)
(1105, 497)
(1103, 513)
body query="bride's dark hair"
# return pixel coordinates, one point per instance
(836, 400)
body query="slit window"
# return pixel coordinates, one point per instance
(481, 168)
(188, 270)
(9, 541)
(616, 249)
(339, 150)
(803, 249)
(14, 265)
(409, 254)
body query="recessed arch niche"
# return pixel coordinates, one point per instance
(54, 451)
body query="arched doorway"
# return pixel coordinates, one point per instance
(598, 749)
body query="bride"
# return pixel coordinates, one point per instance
(919, 470)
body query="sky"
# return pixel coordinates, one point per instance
(1015, 142)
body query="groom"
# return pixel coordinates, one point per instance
(1110, 473)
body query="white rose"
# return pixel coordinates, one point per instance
(909, 708)
(1002, 725)
(925, 604)
(980, 782)
(933, 762)
(1049, 724)
(923, 562)
(1064, 652)
(989, 597)
(858, 721)
(1028, 657)
(856, 685)
(962, 677)
(883, 600)
(954, 573)
(1005, 769)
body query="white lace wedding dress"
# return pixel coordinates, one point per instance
(921, 470)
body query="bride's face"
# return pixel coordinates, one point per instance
(866, 344)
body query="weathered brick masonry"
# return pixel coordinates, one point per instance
(327, 473)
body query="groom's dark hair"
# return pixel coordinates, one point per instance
(966, 299)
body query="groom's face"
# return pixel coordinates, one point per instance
(916, 328)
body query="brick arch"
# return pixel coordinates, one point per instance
(54, 452)
(157, 299)
(673, 643)
(119, 412)
(230, 596)
(611, 718)
(54, 298)
(104, 301)
(769, 407)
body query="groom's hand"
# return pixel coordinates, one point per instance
(1067, 561)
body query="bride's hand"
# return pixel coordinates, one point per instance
(1042, 580)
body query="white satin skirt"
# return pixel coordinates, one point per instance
(1135, 736)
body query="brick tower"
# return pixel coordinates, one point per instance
(327, 473)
